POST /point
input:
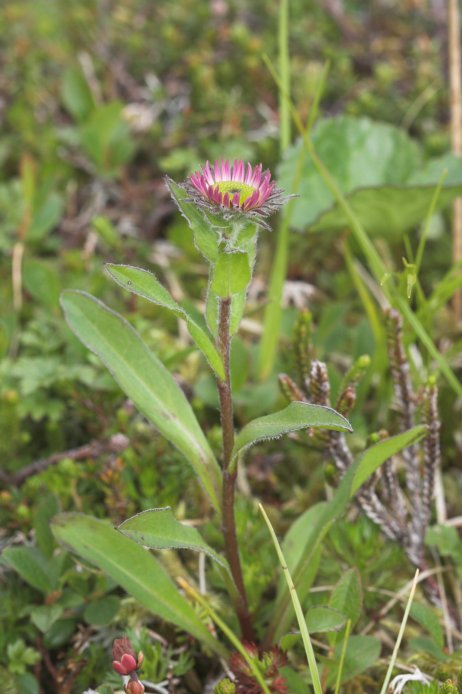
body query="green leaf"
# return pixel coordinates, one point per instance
(101, 612)
(76, 94)
(385, 211)
(206, 235)
(106, 138)
(43, 282)
(27, 684)
(133, 568)
(46, 507)
(157, 528)
(145, 284)
(347, 598)
(362, 652)
(358, 152)
(318, 525)
(32, 566)
(378, 168)
(427, 617)
(382, 451)
(145, 380)
(45, 615)
(231, 274)
(45, 217)
(323, 618)
(60, 633)
(296, 416)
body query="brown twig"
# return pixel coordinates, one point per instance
(116, 444)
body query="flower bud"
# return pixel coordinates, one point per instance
(124, 661)
(134, 687)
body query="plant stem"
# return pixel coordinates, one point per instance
(229, 478)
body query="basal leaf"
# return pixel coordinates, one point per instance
(133, 568)
(145, 380)
(157, 528)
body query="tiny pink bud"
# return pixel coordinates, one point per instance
(124, 661)
(134, 687)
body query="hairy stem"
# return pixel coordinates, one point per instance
(229, 478)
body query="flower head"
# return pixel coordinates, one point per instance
(235, 189)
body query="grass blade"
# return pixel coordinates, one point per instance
(394, 655)
(314, 672)
(342, 657)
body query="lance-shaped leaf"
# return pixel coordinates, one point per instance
(133, 568)
(158, 528)
(145, 284)
(296, 416)
(145, 380)
(314, 527)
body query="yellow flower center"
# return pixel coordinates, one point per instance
(233, 187)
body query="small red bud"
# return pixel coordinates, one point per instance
(134, 687)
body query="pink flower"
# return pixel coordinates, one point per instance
(236, 188)
(124, 661)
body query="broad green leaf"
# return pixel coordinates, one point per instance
(323, 618)
(382, 451)
(378, 168)
(133, 568)
(362, 652)
(145, 380)
(231, 274)
(317, 526)
(145, 284)
(387, 211)
(158, 528)
(296, 416)
(358, 153)
(347, 598)
(32, 566)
